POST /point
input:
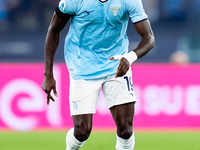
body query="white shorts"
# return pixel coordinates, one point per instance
(84, 94)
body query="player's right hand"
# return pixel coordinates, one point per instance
(48, 85)
(123, 65)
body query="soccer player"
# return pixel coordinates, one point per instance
(97, 55)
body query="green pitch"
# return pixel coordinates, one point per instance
(99, 141)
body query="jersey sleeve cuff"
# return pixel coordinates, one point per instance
(61, 15)
(140, 20)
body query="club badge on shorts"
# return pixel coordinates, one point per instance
(115, 10)
(75, 106)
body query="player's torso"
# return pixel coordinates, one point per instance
(97, 32)
(99, 23)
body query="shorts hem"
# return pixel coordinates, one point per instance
(125, 102)
(82, 113)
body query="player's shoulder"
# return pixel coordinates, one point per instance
(70, 6)
(74, 2)
(79, 2)
(132, 2)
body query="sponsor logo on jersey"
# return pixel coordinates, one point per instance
(115, 10)
(88, 12)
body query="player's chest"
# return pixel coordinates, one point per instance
(95, 11)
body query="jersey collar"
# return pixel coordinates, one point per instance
(103, 1)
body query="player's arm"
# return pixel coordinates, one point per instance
(143, 28)
(147, 38)
(51, 44)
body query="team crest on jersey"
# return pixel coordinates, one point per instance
(115, 10)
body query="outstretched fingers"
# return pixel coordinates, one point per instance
(49, 97)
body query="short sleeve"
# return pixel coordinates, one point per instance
(67, 6)
(136, 11)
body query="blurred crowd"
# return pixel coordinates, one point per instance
(172, 10)
(30, 14)
(175, 23)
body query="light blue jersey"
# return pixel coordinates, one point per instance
(98, 32)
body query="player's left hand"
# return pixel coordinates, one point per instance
(123, 65)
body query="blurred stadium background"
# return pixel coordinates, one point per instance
(23, 27)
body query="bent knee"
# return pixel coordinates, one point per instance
(82, 132)
(125, 132)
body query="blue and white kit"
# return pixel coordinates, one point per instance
(98, 32)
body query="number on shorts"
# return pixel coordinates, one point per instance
(129, 83)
